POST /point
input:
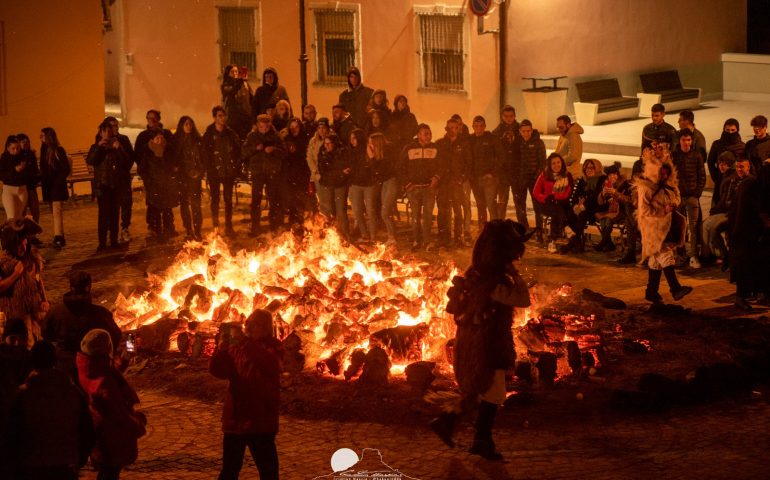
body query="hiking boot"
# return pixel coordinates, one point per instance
(485, 448)
(681, 292)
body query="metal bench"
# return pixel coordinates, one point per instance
(601, 101)
(666, 88)
(80, 171)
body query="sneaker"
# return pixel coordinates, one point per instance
(551, 247)
(58, 241)
(694, 263)
(125, 235)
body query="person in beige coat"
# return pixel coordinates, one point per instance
(661, 226)
(570, 145)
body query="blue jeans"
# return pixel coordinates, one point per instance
(360, 198)
(389, 195)
(341, 207)
(325, 199)
(421, 200)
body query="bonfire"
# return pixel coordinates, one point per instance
(339, 308)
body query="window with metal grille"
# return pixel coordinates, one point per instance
(3, 87)
(441, 51)
(237, 37)
(335, 44)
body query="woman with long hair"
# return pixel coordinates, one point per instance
(186, 145)
(14, 178)
(482, 303)
(32, 172)
(236, 98)
(362, 189)
(54, 169)
(384, 158)
(552, 191)
(281, 115)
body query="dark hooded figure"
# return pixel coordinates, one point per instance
(356, 97)
(236, 98)
(730, 140)
(482, 302)
(269, 93)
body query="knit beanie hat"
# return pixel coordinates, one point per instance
(97, 343)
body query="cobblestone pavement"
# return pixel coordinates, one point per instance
(183, 442)
(183, 439)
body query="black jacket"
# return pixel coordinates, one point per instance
(418, 164)
(159, 175)
(344, 128)
(53, 174)
(32, 170)
(331, 166)
(188, 156)
(267, 94)
(385, 169)
(8, 174)
(454, 159)
(68, 322)
(487, 155)
(402, 128)
(508, 135)
(690, 172)
(363, 174)
(530, 161)
(109, 164)
(221, 153)
(757, 151)
(356, 99)
(259, 161)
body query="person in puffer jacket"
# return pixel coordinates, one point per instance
(552, 192)
(528, 163)
(690, 169)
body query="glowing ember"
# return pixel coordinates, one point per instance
(335, 298)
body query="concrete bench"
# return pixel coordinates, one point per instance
(666, 88)
(601, 101)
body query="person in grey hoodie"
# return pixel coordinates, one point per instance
(356, 97)
(570, 145)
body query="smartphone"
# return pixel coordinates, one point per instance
(130, 343)
(244, 72)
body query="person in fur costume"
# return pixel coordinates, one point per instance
(659, 223)
(22, 293)
(482, 302)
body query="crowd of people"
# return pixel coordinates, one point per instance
(63, 398)
(367, 155)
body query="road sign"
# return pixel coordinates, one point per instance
(480, 7)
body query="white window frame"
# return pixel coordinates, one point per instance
(353, 8)
(254, 4)
(449, 10)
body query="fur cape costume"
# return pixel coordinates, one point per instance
(653, 221)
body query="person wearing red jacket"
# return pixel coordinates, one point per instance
(111, 401)
(552, 191)
(250, 415)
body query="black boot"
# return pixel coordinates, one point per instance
(483, 444)
(677, 290)
(653, 284)
(444, 427)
